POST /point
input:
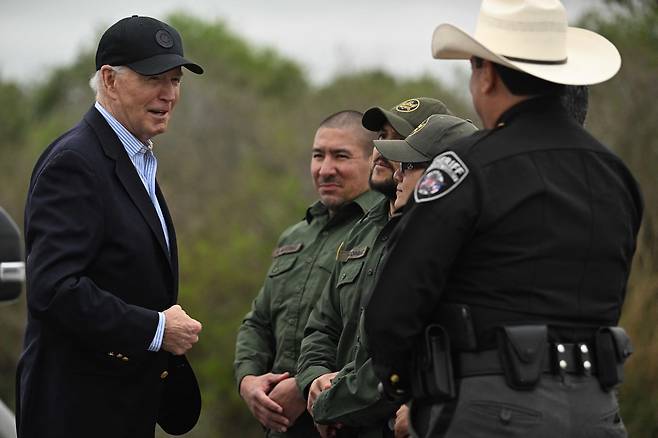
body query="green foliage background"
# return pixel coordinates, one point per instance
(234, 166)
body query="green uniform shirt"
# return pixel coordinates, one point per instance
(331, 340)
(353, 398)
(270, 336)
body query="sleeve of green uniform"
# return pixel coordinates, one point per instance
(321, 337)
(254, 346)
(353, 399)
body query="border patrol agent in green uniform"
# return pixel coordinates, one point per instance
(508, 275)
(331, 340)
(269, 338)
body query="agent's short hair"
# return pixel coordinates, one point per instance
(351, 120)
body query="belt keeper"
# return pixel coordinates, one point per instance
(561, 358)
(583, 358)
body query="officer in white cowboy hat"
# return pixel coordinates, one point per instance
(507, 276)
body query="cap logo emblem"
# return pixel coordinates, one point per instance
(408, 106)
(419, 127)
(164, 39)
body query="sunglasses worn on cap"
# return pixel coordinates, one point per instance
(405, 167)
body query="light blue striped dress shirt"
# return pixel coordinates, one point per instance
(146, 165)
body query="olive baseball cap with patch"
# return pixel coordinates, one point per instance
(405, 116)
(429, 139)
(145, 45)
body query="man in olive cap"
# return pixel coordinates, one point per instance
(105, 340)
(395, 124)
(509, 273)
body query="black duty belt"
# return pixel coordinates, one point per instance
(559, 358)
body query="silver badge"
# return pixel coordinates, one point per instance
(445, 173)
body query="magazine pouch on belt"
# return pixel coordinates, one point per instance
(433, 378)
(522, 349)
(613, 346)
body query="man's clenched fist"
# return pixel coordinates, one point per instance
(181, 331)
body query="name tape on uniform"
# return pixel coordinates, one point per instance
(287, 249)
(354, 253)
(445, 173)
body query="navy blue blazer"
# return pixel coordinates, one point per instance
(98, 271)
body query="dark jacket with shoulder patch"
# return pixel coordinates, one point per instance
(542, 229)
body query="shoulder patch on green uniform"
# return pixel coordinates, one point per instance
(287, 249)
(445, 173)
(354, 253)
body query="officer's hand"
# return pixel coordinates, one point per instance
(254, 390)
(181, 331)
(402, 422)
(288, 396)
(320, 384)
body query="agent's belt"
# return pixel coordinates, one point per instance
(559, 358)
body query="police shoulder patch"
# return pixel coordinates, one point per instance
(445, 173)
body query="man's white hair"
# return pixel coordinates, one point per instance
(95, 80)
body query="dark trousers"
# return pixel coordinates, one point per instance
(568, 407)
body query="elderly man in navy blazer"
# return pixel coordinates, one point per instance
(105, 340)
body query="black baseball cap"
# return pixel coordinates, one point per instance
(146, 45)
(405, 116)
(428, 140)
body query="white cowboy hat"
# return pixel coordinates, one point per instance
(532, 36)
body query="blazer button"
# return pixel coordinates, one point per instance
(164, 374)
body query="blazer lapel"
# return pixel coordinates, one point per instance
(173, 258)
(128, 176)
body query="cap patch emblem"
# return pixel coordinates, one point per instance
(164, 39)
(445, 173)
(419, 127)
(408, 106)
